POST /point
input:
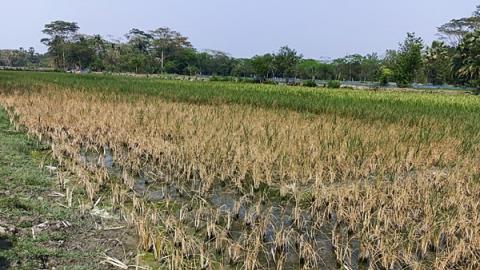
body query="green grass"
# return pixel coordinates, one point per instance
(24, 203)
(372, 105)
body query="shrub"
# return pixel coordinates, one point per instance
(257, 80)
(293, 83)
(310, 83)
(248, 80)
(386, 76)
(334, 84)
(214, 79)
(270, 82)
(403, 84)
(223, 79)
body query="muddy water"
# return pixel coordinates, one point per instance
(243, 209)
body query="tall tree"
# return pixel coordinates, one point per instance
(409, 60)
(467, 59)
(438, 63)
(286, 61)
(137, 55)
(140, 41)
(371, 68)
(80, 53)
(61, 33)
(182, 63)
(309, 69)
(390, 59)
(243, 68)
(454, 31)
(349, 67)
(32, 57)
(263, 66)
(221, 62)
(168, 43)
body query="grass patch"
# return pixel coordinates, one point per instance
(24, 203)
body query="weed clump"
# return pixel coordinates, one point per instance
(334, 84)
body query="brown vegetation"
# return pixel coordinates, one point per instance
(257, 188)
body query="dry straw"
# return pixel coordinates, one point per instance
(406, 200)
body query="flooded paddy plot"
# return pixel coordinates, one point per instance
(234, 214)
(212, 186)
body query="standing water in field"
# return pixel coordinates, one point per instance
(282, 235)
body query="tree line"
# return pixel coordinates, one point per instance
(450, 60)
(22, 58)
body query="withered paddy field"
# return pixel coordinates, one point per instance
(214, 175)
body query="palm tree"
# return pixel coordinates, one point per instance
(468, 58)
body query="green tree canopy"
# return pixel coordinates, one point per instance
(263, 65)
(468, 60)
(286, 61)
(438, 63)
(168, 44)
(61, 33)
(456, 29)
(409, 60)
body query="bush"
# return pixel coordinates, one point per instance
(270, 82)
(248, 80)
(293, 83)
(257, 80)
(334, 84)
(386, 76)
(214, 79)
(223, 79)
(403, 84)
(310, 83)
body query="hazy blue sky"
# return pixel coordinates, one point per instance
(242, 27)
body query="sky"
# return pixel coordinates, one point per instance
(243, 28)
